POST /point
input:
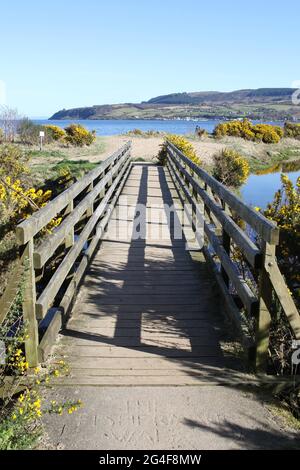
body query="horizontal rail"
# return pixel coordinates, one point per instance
(71, 290)
(264, 227)
(49, 293)
(43, 252)
(251, 251)
(250, 301)
(30, 227)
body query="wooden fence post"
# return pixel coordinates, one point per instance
(226, 241)
(90, 210)
(263, 317)
(69, 240)
(28, 306)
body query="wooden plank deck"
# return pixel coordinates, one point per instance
(144, 315)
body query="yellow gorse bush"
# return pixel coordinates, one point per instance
(285, 211)
(55, 132)
(16, 198)
(230, 168)
(21, 202)
(245, 129)
(182, 144)
(79, 136)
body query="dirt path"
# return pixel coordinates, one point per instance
(147, 148)
(163, 418)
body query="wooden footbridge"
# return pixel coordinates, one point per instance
(129, 287)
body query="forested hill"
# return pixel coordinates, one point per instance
(262, 103)
(239, 96)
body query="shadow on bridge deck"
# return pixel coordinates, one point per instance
(147, 313)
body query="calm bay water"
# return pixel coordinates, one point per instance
(115, 127)
(259, 190)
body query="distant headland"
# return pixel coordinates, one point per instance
(262, 103)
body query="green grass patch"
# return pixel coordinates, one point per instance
(76, 167)
(47, 154)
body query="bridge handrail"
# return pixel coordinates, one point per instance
(85, 209)
(30, 227)
(221, 232)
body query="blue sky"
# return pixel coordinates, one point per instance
(70, 53)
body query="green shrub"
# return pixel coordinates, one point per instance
(230, 168)
(29, 132)
(1, 135)
(79, 136)
(292, 130)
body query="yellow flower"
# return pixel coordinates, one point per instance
(21, 398)
(37, 403)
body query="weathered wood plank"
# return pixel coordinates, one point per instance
(50, 336)
(80, 355)
(13, 285)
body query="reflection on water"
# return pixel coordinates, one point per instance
(260, 188)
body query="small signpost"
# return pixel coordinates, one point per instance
(42, 135)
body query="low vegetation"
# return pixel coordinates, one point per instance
(22, 403)
(292, 130)
(145, 134)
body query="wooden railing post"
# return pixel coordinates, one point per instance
(226, 242)
(69, 240)
(28, 306)
(263, 317)
(90, 210)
